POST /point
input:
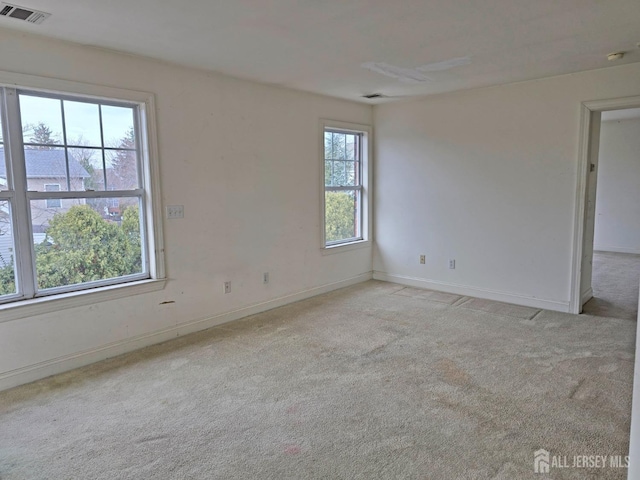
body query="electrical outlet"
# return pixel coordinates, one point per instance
(265, 277)
(175, 211)
(452, 264)
(227, 287)
(423, 259)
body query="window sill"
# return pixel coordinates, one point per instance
(39, 306)
(346, 247)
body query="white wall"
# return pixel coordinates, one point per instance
(634, 437)
(243, 160)
(618, 196)
(488, 177)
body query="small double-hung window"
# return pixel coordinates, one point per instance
(75, 194)
(345, 184)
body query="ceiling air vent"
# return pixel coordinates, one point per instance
(22, 13)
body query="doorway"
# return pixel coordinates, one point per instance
(608, 225)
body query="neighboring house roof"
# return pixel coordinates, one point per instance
(47, 164)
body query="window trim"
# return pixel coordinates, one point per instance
(366, 186)
(151, 197)
(62, 301)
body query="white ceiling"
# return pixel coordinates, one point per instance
(321, 45)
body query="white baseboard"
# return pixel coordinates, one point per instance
(586, 296)
(47, 368)
(601, 248)
(506, 297)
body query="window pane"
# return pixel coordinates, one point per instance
(341, 159)
(95, 239)
(41, 120)
(343, 173)
(82, 123)
(342, 215)
(7, 272)
(351, 147)
(117, 125)
(339, 146)
(328, 145)
(91, 175)
(337, 173)
(349, 173)
(47, 165)
(122, 170)
(43, 211)
(328, 170)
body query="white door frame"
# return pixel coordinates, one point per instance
(584, 159)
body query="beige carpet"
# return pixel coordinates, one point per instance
(616, 277)
(368, 382)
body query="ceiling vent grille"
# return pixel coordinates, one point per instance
(22, 13)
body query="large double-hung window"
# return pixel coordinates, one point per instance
(75, 193)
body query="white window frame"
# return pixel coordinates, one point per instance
(19, 306)
(366, 189)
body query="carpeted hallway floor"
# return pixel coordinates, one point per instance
(616, 277)
(375, 381)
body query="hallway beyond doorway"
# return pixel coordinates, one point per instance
(616, 277)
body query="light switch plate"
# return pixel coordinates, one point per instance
(175, 211)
